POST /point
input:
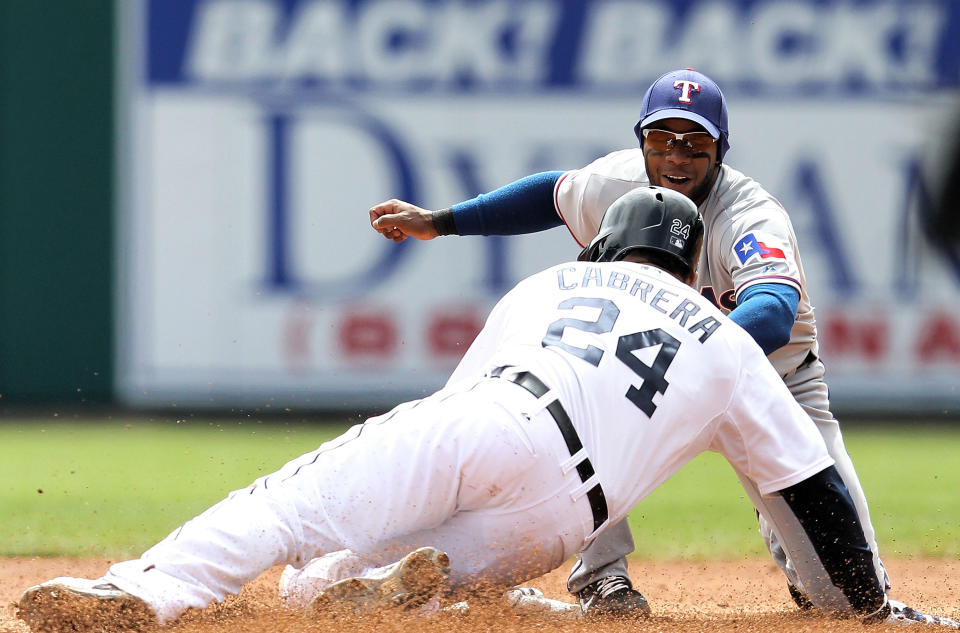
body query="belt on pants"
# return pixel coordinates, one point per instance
(808, 360)
(598, 501)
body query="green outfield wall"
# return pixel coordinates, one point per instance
(56, 201)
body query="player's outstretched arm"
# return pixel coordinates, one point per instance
(523, 206)
(397, 220)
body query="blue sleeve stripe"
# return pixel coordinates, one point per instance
(523, 206)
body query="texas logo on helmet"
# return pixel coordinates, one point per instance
(748, 246)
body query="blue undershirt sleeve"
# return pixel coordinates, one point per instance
(767, 313)
(523, 206)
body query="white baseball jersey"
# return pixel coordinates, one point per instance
(748, 238)
(651, 375)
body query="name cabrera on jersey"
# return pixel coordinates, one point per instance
(749, 238)
(650, 373)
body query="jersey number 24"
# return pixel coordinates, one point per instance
(652, 375)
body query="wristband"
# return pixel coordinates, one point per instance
(443, 222)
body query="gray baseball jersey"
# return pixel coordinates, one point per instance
(748, 239)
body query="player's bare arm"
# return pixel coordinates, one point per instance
(397, 220)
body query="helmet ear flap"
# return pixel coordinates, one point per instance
(592, 251)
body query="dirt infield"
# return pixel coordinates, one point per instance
(685, 596)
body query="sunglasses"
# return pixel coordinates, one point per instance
(664, 141)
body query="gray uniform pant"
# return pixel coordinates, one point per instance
(606, 555)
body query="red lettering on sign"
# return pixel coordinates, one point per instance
(450, 334)
(939, 339)
(368, 335)
(860, 337)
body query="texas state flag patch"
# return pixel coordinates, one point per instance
(748, 246)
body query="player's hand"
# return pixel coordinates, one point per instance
(397, 220)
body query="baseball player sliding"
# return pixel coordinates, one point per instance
(591, 383)
(750, 268)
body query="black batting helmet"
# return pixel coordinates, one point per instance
(648, 219)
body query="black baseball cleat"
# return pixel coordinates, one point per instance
(613, 597)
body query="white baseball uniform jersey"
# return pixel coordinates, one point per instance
(646, 373)
(640, 399)
(748, 240)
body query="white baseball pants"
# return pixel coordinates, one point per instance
(479, 473)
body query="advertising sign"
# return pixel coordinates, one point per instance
(256, 134)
